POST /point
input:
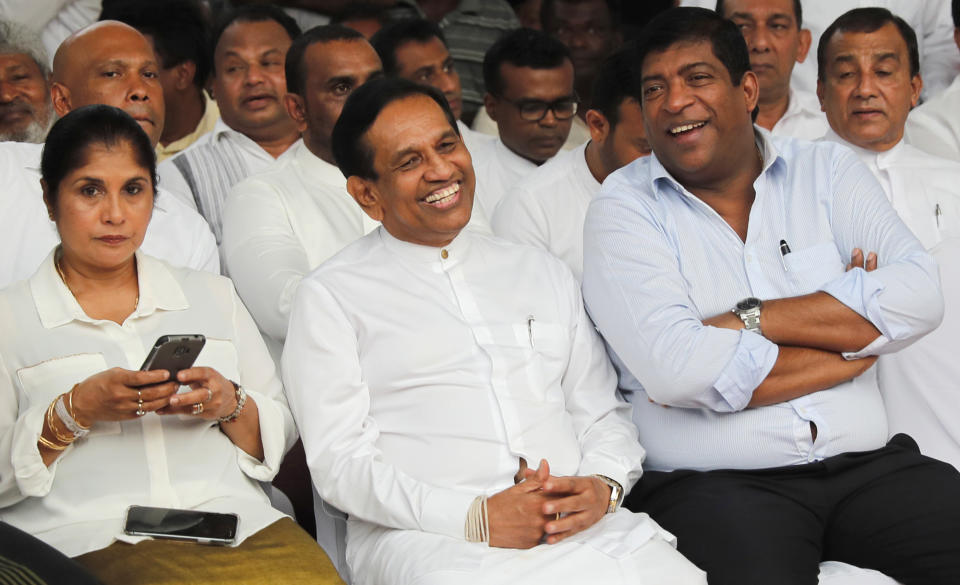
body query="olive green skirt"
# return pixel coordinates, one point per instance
(281, 553)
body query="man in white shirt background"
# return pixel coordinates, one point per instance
(935, 125)
(416, 49)
(776, 41)
(530, 95)
(773, 453)
(284, 222)
(250, 44)
(26, 112)
(591, 31)
(179, 33)
(107, 63)
(449, 360)
(547, 209)
(869, 81)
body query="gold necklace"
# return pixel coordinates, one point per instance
(57, 259)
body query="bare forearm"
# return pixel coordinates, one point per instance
(818, 321)
(799, 371)
(245, 431)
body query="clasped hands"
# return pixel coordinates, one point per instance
(526, 514)
(119, 394)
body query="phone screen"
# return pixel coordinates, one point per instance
(206, 527)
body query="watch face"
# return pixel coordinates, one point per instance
(747, 304)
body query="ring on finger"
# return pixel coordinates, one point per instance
(140, 411)
(198, 408)
(209, 395)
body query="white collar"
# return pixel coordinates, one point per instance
(57, 306)
(317, 168)
(420, 254)
(881, 160)
(510, 159)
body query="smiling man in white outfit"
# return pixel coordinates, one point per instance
(427, 364)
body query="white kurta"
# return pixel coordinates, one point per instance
(217, 161)
(281, 224)
(923, 189)
(78, 504)
(498, 171)
(419, 376)
(176, 234)
(919, 383)
(934, 126)
(547, 209)
(803, 118)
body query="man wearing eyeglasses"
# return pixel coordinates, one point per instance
(530, 95)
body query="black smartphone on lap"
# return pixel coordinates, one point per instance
(193, 525)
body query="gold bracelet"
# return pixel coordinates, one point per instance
(53, 427)
(50, 444)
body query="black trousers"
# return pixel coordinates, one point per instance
(893, 510)
(25, 560)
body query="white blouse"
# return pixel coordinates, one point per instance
(78, 503)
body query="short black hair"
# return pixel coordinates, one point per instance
(179, 29)
(617, 81)
(797, 11)
(868, 20)
(71, 136)
(955, 9)
(613, 9)
(350, 149)
(523, 47)
(252, 13)
(680, 25)
(361, 11)
(389, 38)
(294, 68)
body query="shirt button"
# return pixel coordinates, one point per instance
(444, 254)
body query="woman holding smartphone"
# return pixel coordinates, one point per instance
(84, 434)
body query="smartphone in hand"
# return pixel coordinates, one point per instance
(174, 353)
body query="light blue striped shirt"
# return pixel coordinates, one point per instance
(658, 260)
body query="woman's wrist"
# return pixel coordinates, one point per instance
(75, 404)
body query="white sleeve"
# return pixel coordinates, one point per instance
(260, 380)
(171, 179)
(33, 13)
(601, 418)
(331, 404)
(939, 57)
(264, 257)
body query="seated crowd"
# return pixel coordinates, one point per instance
(664, 301)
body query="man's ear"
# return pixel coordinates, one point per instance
(598, 125)
(60, 96)
(296, 110)
(365, 193)
(490, 104)
(184, 75)
(916, 85)
(751, 89)
(820, 94)
(803, 48)
(46, 199)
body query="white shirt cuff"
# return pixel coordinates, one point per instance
(751, 363)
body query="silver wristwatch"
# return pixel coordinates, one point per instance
(749, 312)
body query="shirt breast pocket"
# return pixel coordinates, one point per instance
(530, 358)
(811, 268)
(43, 382)
(221, 355)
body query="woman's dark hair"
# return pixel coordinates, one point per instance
(351, 150)
(69, 140)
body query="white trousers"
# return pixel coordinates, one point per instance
(623, 548)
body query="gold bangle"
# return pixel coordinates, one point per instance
(53, 427)
(50, 444)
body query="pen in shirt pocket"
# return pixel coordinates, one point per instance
(530, 321)
(784, 250)
(937, 212)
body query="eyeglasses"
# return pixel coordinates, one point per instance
(535, 110)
